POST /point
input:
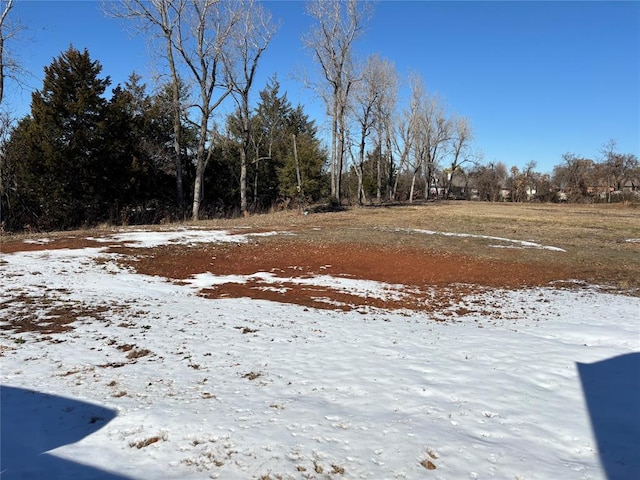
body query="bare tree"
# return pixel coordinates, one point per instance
(415, 135)
(163, 18)
(437, 131)
(523, 184)
(10, 29)
(8, 68)
(339, 24)
(386, 78)
(250, 40)
(366, 97)
(403, 137)
(489, 180)
(575, 176)
(6, 8)
(431, 131)
(198, 33)
(459, 154)
(203, 41)
(618, 168)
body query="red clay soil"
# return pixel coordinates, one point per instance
(431, 280)
(434, 281)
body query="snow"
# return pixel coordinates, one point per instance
(149, 239)
(167, 384)
(361, 288)
(511, 243)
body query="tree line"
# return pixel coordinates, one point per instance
(85, 155)
(80, 158)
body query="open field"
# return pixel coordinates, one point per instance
(600, 243)
(449, 340)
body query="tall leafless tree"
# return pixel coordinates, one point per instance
(9, 68)
(414, 130)
(385, 126)
(203, 41)
(197, 36)
(618, 168)
(437, 128)
(386, 78)
(5, 7)
(339, 24)
(372, 107)
(460, 142)
(402, 138)
(363, 109)
(431, 131)
(251, 38)
(162, 17)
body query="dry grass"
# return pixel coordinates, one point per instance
(596, 238)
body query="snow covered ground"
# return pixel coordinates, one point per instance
(154, 381)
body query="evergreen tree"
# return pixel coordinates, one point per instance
(20, 198)
(311, 159)
(140, 146)
(164, 141)
(279, 132)
(67, 164)
(79, 159)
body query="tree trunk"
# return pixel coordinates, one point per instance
(340, 155)
(334, 153)
(1, 67)
(201, 165)
(255, 184)
(197, 191)
(176, 110)
(177, 127)
(243, 182)
(360, 166)
(413, 184)
(295, 156)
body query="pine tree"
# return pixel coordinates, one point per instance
(311, 158)
(68, 148)
(273, 168)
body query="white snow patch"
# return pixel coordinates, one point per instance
(361, 288)
(516, 243)
(37, 241)
(150, 239)
(307, 390)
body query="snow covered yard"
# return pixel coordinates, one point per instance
(140, 377)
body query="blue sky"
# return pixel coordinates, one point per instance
(536, 79)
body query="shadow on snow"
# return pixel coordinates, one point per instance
(32, 423)
(612, 392)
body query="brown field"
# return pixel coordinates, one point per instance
(601, 246)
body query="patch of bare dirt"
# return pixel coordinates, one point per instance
(430, 280)
(37, 316)
(55, 243)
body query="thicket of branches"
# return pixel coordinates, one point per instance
(90, 152)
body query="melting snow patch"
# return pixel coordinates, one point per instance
(150, 239)
(517, 243)
(361, 288)
(37, 241)
(548, 389)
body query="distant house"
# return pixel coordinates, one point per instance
(631, 186)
